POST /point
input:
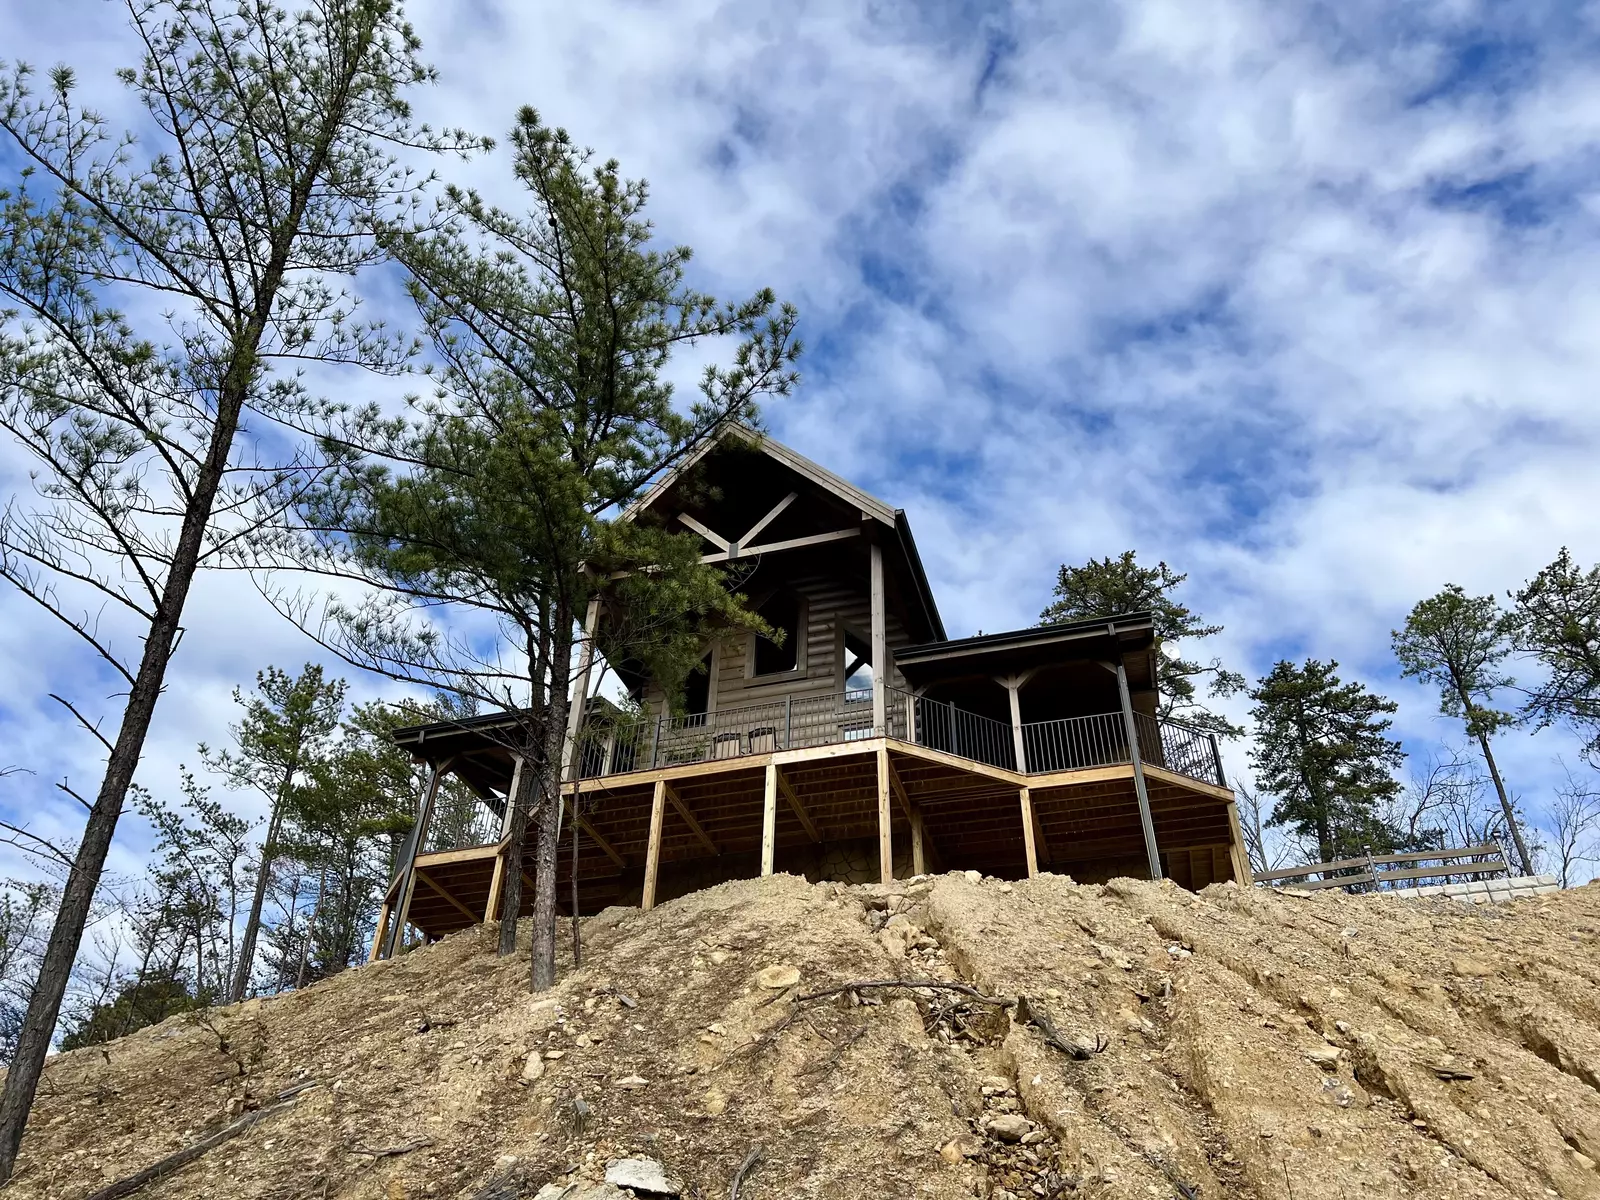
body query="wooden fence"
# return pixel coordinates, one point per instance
(1380, 869)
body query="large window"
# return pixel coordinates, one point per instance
(782, 612)
(697, 688)
(858, 674)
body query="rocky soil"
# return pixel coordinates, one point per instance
(1147, 1043)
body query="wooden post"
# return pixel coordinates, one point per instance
(1139, 788)
(408, 874)
(769, 820)
(580, 691)
(497, 880)
(379, 932)
(919, 853)
(1029, 849)
(1013, 687)
(1237, 852)
(880, 648)
(652, 858)
(885, 835)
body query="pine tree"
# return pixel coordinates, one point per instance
(1556, 618)
(271, 137)
(1321, 752)
(498, 499)
(284, 733)
(1457, 643)
(1113, 587)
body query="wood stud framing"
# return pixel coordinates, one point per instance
(769, 819)
(1029, 849)
(652, 858)
(885, 835)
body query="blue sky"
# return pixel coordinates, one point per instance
(1298, 297)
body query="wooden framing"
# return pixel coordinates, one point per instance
(797, 808)
(1139, 786)
(682, 810)
(919, 851)
(439, 891)
(769, 819)
(880, 647)
(1236, 848)
(799, 543)
(379, 933)
(885, 832)
(652, 859)
(1030, 850)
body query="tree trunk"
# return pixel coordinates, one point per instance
(543, 971)
(311, 929)
(252, 924)
(1505, 807)
(517, 839)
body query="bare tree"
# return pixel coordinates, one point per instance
(1575, 827)
(150, 304)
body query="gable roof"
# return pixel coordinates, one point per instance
(869, 506)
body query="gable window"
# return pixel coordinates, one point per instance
(782, 611)
(858, 675)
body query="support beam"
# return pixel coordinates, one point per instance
(419, 831)
(652, 858)
(885, 835)
(1238, 853)
(777, 511)
(379, 933)
(919, 858)
(1013, 686)
(682, 810)
(797, 808)
(710, 535)
(1041, 847)
(1029, 850)
(1132, 731)
(769, 819)
(580, 692)
(922, 847)
(880, 647)
(497, 880)
(610, 851)
(799, 543)
(461, 908)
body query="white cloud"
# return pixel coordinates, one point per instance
(1201, 279)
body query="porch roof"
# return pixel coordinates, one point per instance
(1129, 638)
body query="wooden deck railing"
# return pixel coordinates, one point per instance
(1381, 869)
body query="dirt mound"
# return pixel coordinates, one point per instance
(1234, 1043)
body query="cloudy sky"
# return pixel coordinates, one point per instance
(1300, 298)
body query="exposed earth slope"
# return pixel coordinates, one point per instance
(1234, 1043)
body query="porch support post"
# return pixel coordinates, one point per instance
(652, 858)
(1242, 873)
(408, 872)
(885, 836)
(1013, 686)
(497, 880)
(1031, 851)
(380, 933)
(880, 648)
(580, 691)
(1132, 731)
(769, 820)
(919, 851)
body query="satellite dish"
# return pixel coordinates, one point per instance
(1169, 651)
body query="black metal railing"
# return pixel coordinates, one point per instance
(803, 722)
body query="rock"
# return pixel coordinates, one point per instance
(718, 957)
(961, 1147)
(641, 1175)
(533, 1068)
(632, 1083)
(974, 877)
(580, 1190)
(716, 1102)
(1009, 1127)
(995, 1084)
(1325, 1057)
(542, 1015)
(1468, 967)
(782, 976)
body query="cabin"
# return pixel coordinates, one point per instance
(860, 744)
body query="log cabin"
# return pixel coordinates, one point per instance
(859, 744)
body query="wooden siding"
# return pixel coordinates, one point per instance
(831, 606)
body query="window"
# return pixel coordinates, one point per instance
(858, 674)
(697, 688)
(782, 612)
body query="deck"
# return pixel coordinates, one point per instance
(801, 787)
